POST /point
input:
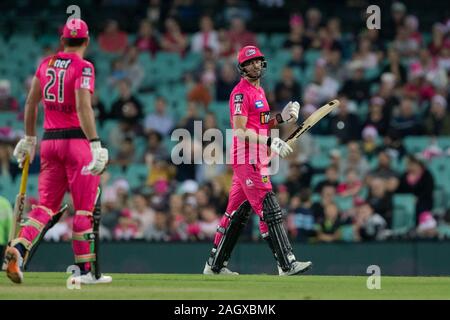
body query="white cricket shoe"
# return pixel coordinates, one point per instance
(296, 268)
(223, 271)
(89, 278)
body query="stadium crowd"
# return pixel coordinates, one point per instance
(344, 179)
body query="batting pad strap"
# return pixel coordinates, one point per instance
(83, 236)
(84, 213)
(44, 208)
(26, 243)
(90, 257)
(31, 222)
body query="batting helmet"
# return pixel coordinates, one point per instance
(248, 53)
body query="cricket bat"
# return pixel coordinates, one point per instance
(315, 117)
(19, 205)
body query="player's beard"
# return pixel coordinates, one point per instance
(254, 74)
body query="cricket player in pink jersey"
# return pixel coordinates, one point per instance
(72, 157)
(251, 187)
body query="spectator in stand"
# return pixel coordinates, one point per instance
(159, 120)
(393, 144)
(174, 40)
(376, 118)
(334, 66)
(209, 220)
(117, 72)
(419, 181)
(355, 160)
(380, 199)
(146, 40)
(344, 125)
(206, 38)
(406, 46)
(112, 39)
(299, 177)
(127, 227)
(357, 88)
(368, 225)
(438, 39)
(158, 231)
(323, 88)
(327, 196)
(7, 100)
(142, 213)
(226, 81)
(351, 186)
(369, 142)
(384, 171)
(329, 228)
(132, 67)
(313, 22)
(126, 154)
(407, 122)
(437, 122)
(296, 35)
(331, 178)
(287, 89)
(412, 27)
(297, 60)
(155, 149)
(300, 220)
(395, 66)
(127, 108)
(364, 53)
(239, 36)
(387, 92)
(398, 17)
(226, 47)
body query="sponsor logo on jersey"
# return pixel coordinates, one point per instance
(237, 103)
(259, 104)
(85, 83)
(249, 182)
(87, 71)
(60, 63)
(264, 117)
(265, 179)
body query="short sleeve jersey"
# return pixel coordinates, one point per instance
(249, 101)
(60, 76)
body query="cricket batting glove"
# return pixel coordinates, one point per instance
(280, 147)
(99, 158)
(289, 113)
(25, 146)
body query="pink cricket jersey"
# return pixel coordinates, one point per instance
(249, 101)
(60, 76)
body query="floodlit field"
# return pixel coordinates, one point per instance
(186, 287)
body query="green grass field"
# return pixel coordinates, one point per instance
(258, 287)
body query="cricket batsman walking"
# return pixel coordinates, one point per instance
(72, 157)
(251, 187)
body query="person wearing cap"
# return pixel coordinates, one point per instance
(251, 189)
(72, 157)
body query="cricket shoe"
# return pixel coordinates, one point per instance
(14, 263)
(297, 267)
(89, 278)
(223, 271)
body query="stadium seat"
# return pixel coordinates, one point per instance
(320, 161)
(404, 214)
(347, 234)
(316, 179)
(137, 174)
(325, 143)
(414, 144)
(344, 203)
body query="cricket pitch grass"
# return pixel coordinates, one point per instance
(48, 285)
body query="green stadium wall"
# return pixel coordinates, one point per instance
(394, 258)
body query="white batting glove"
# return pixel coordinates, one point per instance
(280, 147)
(99, 158)
(25, 146)
(289, 113)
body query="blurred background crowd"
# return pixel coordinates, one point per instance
(376, 169)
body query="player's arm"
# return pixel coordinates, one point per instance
(289, 114)
(31, 107)
(87, 122)
(27, 145)
(86, 113)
